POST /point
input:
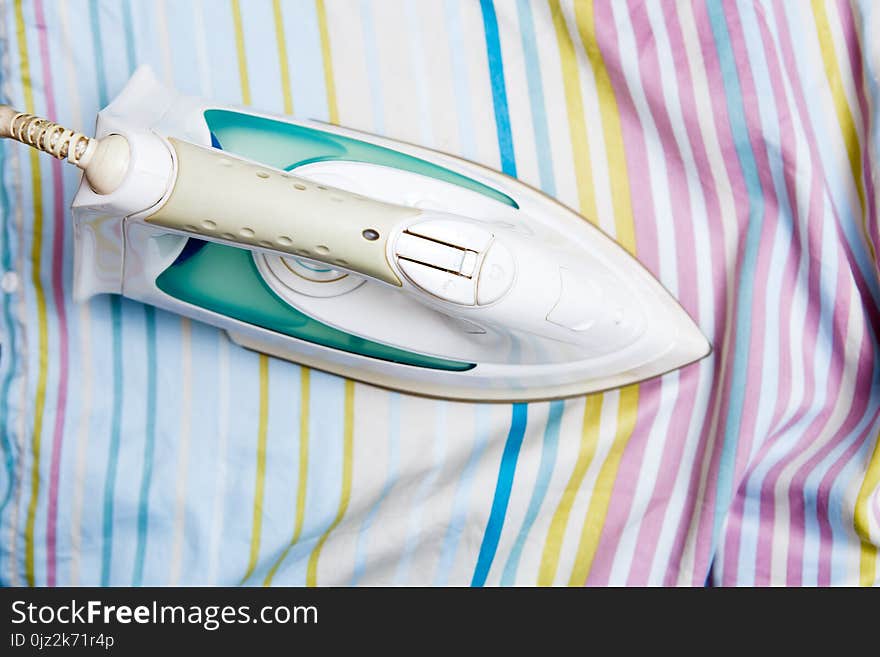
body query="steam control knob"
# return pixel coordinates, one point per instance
(455, 261)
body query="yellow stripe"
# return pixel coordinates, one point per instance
(263, 420)
(282, 57)
(869, 551)
(556, 533)
(844, 112)
(625, 233)
(613, 133)
(869, 487)
(587, 199)
(304, 394)
(348, 420)
(260, 485)
(628, 405)
(574, 105)
(36, 268)
(242, 57)
(345, 497)
(304, 401)
(597, 511)
(304, 376)
(328, 62)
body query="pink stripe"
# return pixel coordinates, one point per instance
(779, 306)
(795, 487)
(858, 408)
(808, 438)
(645, 222)
(770, 219)
(58, 299)
(814, 220)
(719, 282)
(863, 394)
(688, 295)
(705, 516)
(857, 66)
(870, 307)
(866, 355)
(676, 436)
(688, 379)
(789, 283)
(779, 72)
(787, 120)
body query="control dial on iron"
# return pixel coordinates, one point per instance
(455, 261)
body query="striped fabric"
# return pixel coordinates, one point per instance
(729, 145)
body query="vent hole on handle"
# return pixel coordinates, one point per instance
(299, 186)
(262, 174)
(371, 234)
(323, 250)
(284, 240)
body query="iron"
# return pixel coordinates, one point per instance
(373, 259)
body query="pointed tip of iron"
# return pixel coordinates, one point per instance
(692, 345)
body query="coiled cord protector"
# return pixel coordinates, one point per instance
(105, 161)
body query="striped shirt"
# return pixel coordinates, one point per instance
(729, 146)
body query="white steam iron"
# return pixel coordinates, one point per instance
(376, 260)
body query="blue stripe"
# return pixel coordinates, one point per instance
(840, 527)
(9, 348)
(129, 35)
(460, 503)
(421, 72)
(149, 442)
(838, 508)
(543, 153)
(519, 416)
(113, 454)
(499, 91)
(781, 241)
(839, 514)
(463, 113)
(502, 494)
(837, 177)
(360, 555)
(375, 78)
(745, 289)
(151, 357)
(422, 494)
(304, 59)
(370, 48)
(536, 97)
(116, 322)
(821, 362)
(542, 483)
(810, 488)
